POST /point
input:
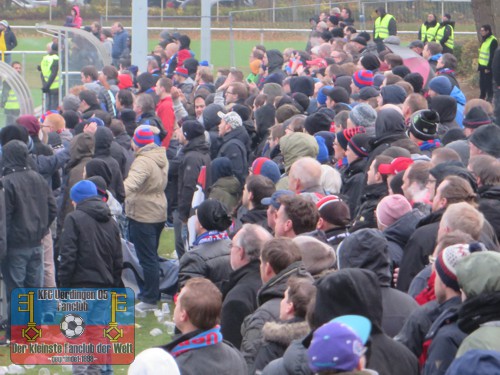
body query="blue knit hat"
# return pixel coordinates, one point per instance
(321, 98)
(441, 85)
(266, 167)
(83, 190)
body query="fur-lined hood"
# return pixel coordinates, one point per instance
(284, 333)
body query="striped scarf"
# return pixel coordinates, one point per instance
(206, 338)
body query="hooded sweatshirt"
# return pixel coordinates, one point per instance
(389, 127)
(360, 293)
(103, 139)
(368, 249)
(446, 107)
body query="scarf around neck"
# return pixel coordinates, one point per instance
(210, 236)
(206, 338)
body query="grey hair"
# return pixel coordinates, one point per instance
(251, 238)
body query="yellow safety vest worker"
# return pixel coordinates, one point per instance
(12, 103)
(428, 34)
(484, 51)
(382, 26)
(450, 43)
(46, 65)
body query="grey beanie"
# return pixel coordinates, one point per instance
(486, 138)
(71, 103)
(363, 115)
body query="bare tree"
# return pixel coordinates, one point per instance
(487, 12)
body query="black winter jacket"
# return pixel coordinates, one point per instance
(236, 146)
(221, 358)
(103, 139)
(30, 207)
(195, 155)
(368, 249)
(399, 233)
(365, 215)
(10, 39)
(268, 299)
(360, 294)
(240, 300)
(352, 184)
(277, 337)
(209, 260)
(446, 338)
(489, 205)
(91, 252)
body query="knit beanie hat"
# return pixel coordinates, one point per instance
(334, 211)
(424, 124)
(391, 208)
(370, 62)
(378, 79)
(183, 72)
(144, 135)
(345, 135)
(125, 81)
(266, 167)
(475, 118)
(322, 156)
(71, 103)
(363, 115)
(446, 263)
(393, 94)
(360, 144)
(231, 118)
(329, 137)
(441, 85)
(318, 121)
(301, 101)
(363, 78)
(83, 190)
(31, 124)
(487, 139)
(192, 129)
(368, 92)
(360, 40)
(317, 256)
(244, 111)
(212, 215)
(321, 97)
(401, 71)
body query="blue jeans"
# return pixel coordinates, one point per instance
(146, 238)
(22, 268)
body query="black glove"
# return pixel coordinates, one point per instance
(45, 89)
(38, 68)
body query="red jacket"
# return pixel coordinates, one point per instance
(165, 111)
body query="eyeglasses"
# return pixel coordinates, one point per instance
(232, 93)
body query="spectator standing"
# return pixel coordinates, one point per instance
(385, 25)
(49, 69)
(146, 209)
(486, 52)
(30, 209)
(429, 29)
(8, 41)
(120, 43)
(9, 101)
(445, 34)
(240, 291)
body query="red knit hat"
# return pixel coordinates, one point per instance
(181, 72)
(363, 78)
(143, 135)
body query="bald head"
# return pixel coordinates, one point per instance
(304, 174)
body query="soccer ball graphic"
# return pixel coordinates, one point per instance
(72, 326)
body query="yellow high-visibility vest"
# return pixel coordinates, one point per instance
(428, 34)
(12, 103)
(484, 51)
(382, 26)
(45, 66)
(450, 43)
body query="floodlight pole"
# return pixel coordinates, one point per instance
(139, 34)
(206, 21)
